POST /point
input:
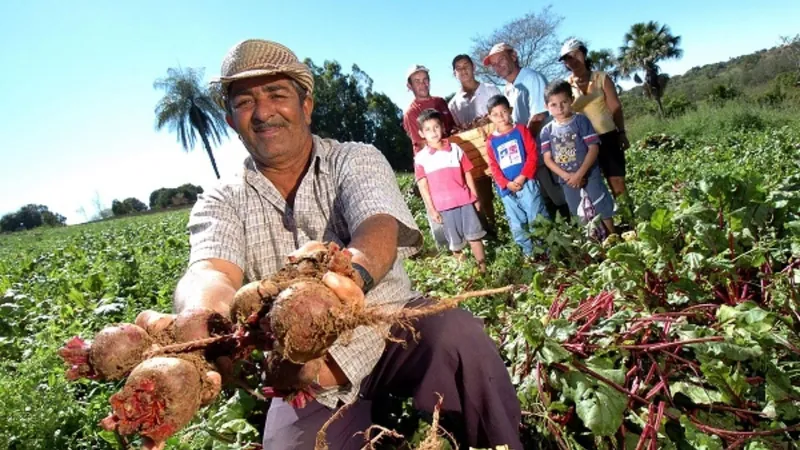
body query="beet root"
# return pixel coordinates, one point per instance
(160, 397)
(198, 323)
(303, 321)
(251, 298)
(113, 352)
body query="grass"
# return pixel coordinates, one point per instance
(707, 121)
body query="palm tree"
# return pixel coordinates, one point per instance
(646, 44)
(604, 60)
(189, 109)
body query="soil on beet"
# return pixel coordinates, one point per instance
(304, 320)
(116, 350)
(160, 396)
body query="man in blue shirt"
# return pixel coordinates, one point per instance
(525, 92)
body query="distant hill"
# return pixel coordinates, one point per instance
(753, 76)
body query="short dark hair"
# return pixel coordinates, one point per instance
(557, 87)
(429, 114)
(462, 57)
(496, 101)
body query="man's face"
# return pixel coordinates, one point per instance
(464, 71)
(420, 84)
(503, 63)
(270, 118)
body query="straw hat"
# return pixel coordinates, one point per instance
(257, 57)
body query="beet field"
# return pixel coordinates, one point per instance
(681, 333)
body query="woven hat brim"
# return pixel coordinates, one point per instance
(301, 75)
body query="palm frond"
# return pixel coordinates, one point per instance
(188, 109)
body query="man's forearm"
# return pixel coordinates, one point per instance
(201, 287)
(374, 245)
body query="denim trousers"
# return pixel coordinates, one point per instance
(522, 209)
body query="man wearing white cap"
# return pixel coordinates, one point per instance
(419, 83)
(297, 190)
(524, 90)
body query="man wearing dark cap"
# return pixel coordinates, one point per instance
(298, 190)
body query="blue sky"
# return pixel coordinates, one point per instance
(76, 117)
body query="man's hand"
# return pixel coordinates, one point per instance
(477, 205)
(513, 186)
(190, 324)
(435, 216)
(326, 371)
(520, 180)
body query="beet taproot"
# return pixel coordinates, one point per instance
(199, 323)
(111, 355)
(303, 320)
(161, 396)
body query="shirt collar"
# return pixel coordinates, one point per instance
(319, 156)
(462, 93)
(446, 148)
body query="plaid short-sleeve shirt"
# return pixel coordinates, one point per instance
(247, 222)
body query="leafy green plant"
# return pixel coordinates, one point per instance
(681, 334)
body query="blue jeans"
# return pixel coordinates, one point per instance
(522, 208)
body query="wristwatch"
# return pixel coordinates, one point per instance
(369, 283)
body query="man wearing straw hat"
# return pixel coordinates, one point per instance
(298, 190)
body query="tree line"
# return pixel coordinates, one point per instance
(33, 216)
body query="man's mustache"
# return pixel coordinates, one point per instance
(259, 127)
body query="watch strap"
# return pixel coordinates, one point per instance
(369, 283)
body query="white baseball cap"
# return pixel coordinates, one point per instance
(414, 69)
(497, 48)
(570, 45)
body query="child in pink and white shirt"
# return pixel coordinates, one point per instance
(442, 171)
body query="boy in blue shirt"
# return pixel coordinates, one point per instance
(512, 159)
(570, 147)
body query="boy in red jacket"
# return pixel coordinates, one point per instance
(512, 159)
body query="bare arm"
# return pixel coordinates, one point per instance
(425, 192)
(555, 168)
(591, 157)
(470, 183)
(210, 283)
(614, 104)
(369, 245)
